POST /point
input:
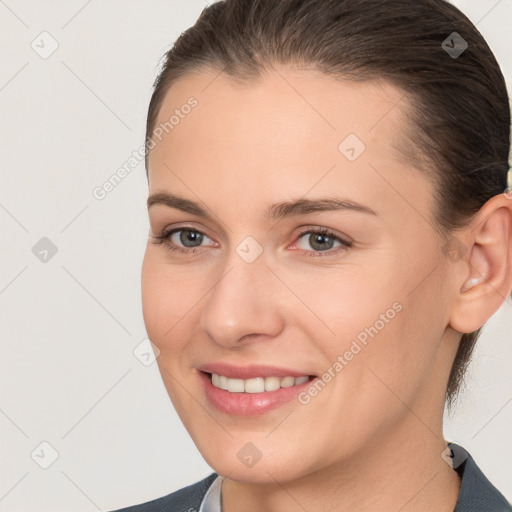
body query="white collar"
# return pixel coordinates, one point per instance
(212, 499)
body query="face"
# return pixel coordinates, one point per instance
(301, 246)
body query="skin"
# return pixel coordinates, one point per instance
(372, 438)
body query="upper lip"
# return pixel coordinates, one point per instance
(249, 371)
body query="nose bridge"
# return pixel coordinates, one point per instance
(242, 300)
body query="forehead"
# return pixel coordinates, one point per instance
(305, 101)
(286, 130)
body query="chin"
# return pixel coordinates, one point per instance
(259, 474)
(243, 462)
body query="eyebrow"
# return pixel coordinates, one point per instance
(276, 211)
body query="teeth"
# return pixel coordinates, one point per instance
(287, 382)
(256, 384)
(236, 385)
(272, 383)
(223, 384)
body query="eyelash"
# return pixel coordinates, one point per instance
(164, 238)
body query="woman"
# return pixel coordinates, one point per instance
(330, 228)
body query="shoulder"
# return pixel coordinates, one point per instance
(187, 499)
(477, 493)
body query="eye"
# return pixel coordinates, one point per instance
(188, 240)
(181, 239)
(187, 237)
(322, 242)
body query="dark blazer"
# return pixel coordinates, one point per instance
(476, 494)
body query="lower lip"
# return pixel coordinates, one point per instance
(249, 404)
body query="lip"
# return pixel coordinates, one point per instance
(250, 371)
(250, 404)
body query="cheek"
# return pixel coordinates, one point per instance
(373, 326)
(168, 299)
(345, 304)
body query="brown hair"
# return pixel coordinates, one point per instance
(460, 109)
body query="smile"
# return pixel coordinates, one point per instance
(256, 384)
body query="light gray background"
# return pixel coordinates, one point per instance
(69, 326)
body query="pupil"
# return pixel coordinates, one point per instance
(320, 242)
(188, 236)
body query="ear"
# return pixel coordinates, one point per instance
(485, 280)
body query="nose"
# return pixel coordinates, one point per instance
(243, 304)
